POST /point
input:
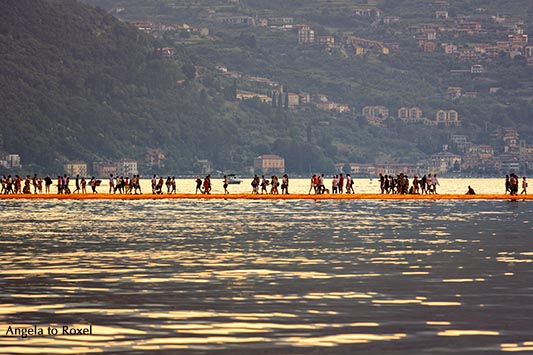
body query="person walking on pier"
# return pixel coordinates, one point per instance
(198, 184)
(514, 184)
(77, 183)
(524, 186)
(274, 183)
(154, 183)
(168, 184)
(35, 184)
(434, 183)
(349, 184)
(264, 184)
(83, 185)
(382, 183)
(312, 185)
(285, 184)
(111, 183)
(334, 184)
(9, 185)
(93, 184)
(173, 185)
(47, 183)
(26, 189)
(507, 185)
(225, 185)
(207, 185)
(341, 183)
(321, 184)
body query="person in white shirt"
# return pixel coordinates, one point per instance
(334, 184)
(434, 184)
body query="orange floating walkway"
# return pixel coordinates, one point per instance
(363, 196)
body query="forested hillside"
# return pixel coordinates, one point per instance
(79, 84)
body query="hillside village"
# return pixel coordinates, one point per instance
(373, 86)
(460, 36)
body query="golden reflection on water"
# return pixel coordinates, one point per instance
(459, 333)
(262, 275)
(518, 347)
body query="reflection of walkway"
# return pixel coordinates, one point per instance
(101, 196)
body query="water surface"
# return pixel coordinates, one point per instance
(275, 277)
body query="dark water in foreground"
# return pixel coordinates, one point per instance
(269, 277)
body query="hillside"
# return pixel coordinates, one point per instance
(79, 84)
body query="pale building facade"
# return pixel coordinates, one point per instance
(269, 163)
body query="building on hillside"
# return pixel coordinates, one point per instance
(470, 94)
(470, 27)
(126, 167)
(333, 106)
(468, 53)
(293, 99)
(375, 121)
(269, 164)
(454, 92)
(428, 34)
(237, 20)
(448, 118)
(283, 99)
(279, 21)
(74, 168)
(428, 122)
(144, 26)
(242, 95)
(306, 35)
(361, 46)
(357, 169)
(376, 111)
(484, 151)
(305, 98)
(508, 163)
(443, 162)
(341, 108)
(104, 168)
(428, 46)
(510, 138)
(450, 49)
(326, 40)
(370, 12)
(493, 51)
(441, 14)
(477, 69)
(520, 39)
(478, 156)
(391, 19)
(410, 114)
(397, 168)
(460, 142)
(165, 52)
(155, 158)
(10, 161)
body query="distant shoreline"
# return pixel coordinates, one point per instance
(356, 196)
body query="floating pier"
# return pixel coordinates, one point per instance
(356, 196)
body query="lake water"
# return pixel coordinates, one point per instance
(268, 277)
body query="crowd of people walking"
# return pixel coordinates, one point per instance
(340, 184)
(400, 184)
(511, 185)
